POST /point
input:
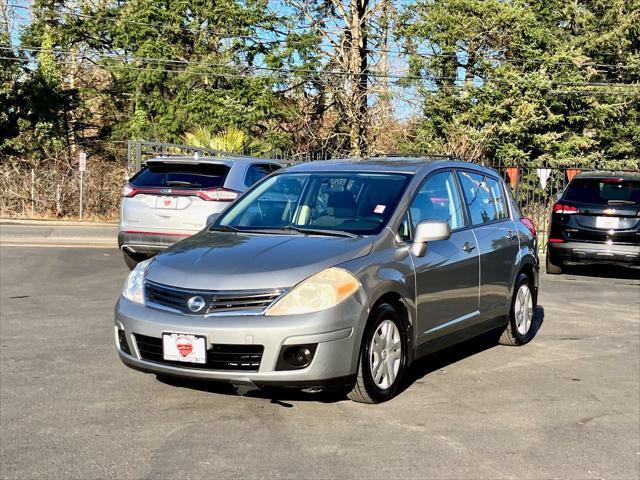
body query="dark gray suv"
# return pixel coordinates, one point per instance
(336, 273)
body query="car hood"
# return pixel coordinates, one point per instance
(244, 261)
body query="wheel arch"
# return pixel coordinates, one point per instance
(406, 311)
(530, 269)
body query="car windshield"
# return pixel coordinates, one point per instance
(181, 175)
(604, 191)
(354, 203)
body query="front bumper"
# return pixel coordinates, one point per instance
(594, 252)
(336, 331)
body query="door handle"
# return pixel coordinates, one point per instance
(468, 247)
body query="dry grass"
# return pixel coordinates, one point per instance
(56, 188)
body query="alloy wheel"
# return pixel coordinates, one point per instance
(385, 354)
(523, 309)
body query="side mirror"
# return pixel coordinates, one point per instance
(429, 231)
(211, 219)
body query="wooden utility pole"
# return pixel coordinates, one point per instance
(358, 70)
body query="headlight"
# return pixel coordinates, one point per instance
(318, 292)
(134, 285)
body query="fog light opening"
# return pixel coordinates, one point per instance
(122, 341)
(296, 357)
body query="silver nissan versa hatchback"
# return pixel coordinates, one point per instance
(336, 273)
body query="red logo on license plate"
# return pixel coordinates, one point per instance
(167, 202)
(184, 346)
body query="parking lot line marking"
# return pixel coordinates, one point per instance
(58, 245)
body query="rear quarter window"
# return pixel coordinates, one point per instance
(183, 176)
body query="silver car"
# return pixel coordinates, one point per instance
(336, 273)
(171, 198)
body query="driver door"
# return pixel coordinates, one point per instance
(447, 277)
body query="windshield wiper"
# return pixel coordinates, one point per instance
(224, 228)
(288, 229)
(319, 231)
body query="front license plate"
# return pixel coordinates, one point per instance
(180, 347)
(607, 223)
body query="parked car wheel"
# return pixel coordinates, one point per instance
(520, 329)
(553, 268)
(383, 357)
(132, 259)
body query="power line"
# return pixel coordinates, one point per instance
(278, 70)
(288, 41)
(319, 75)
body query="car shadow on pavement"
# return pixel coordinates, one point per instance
(277, 395)
(603, 271)
(450, 355)
(418, 370)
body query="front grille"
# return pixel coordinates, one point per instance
(245, 358)
(215, 301)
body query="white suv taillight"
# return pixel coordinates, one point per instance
(128, 190)
(219, 195)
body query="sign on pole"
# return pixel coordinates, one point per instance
(82, 164)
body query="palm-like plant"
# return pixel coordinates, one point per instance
(231, 140)
(198, 137)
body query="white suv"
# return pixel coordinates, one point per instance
(171, 198)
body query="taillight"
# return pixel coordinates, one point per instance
(128, 190)
(527, 222)
(556, 240)
(218, 195)
(565, 209)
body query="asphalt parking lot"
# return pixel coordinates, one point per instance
(565, 406)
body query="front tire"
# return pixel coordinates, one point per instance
(383, 357)
(520, 329)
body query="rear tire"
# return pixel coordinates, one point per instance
(383, 357)
(553, 268)
(521, 326)
(131, 259)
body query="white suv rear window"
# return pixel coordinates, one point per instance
(181, 175)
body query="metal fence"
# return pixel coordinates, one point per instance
(139, 151)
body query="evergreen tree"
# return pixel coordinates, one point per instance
(535, 82)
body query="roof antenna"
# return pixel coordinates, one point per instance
(195, 155)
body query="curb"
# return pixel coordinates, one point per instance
(54, 223)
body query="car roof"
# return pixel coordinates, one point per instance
(225, 160)
(609, 174)
(411, 165)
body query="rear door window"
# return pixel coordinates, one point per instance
(181, 175)
(484, 197)
(604, 191)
